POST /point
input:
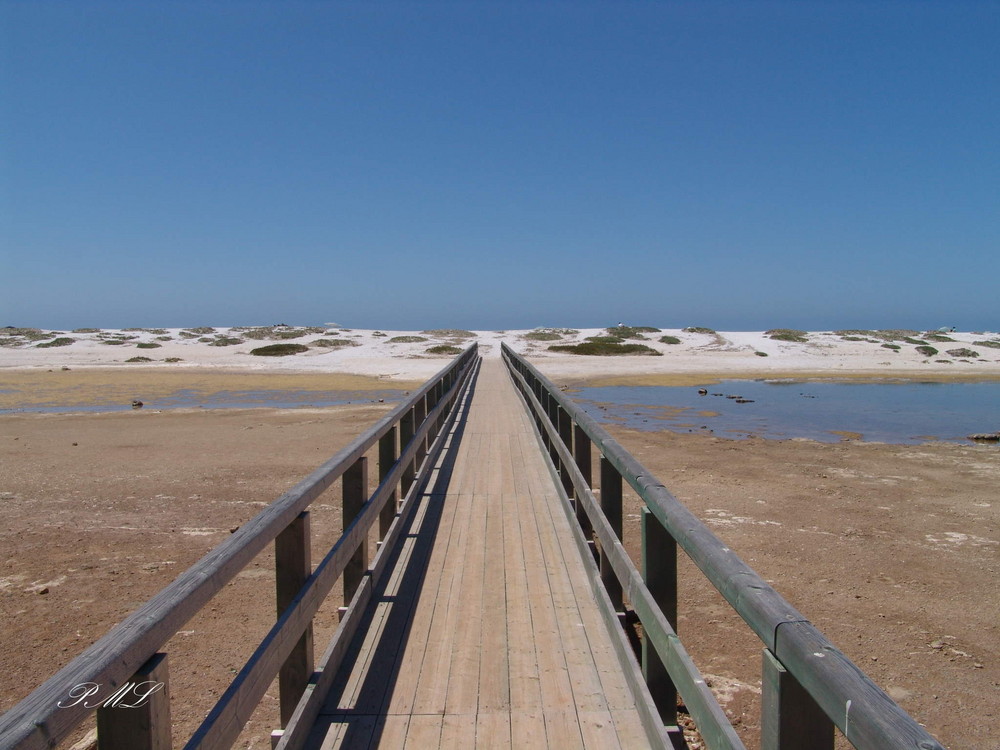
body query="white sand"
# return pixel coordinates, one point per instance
(723, 353)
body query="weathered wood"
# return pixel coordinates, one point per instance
(565, 427)
(407, 427)
(388, 452)
(137, 716)
(36, 722)
(583, 455)
(790, 718)
(293, 565)
(611, 507)
(874, 720)
(659, 571)
(355, 496)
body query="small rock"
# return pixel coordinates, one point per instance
(136, 404)
(43, 590)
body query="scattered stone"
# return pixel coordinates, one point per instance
(702, 391)
(43, 590)
(136, 404)
(986, 436)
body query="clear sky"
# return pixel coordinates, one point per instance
(406, 165)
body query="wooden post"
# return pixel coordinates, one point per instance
(611, 506)
(790, 718)
(293, 565)
(406, 430)
(420, 414)
(659, 571)
(565, 427)
(137, 715)
(388, 452)
(355, 496)
(584, 462)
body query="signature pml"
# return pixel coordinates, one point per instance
(129, 695)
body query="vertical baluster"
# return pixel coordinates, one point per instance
(420, 414)
(128, 721)
(406, 430)
(293, 565)
(388, 452)
(790, 718)
(611, 506)
(659, 571)
(584, 462)
(355, 495)
(565, 427)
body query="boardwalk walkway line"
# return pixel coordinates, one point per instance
(486, 633)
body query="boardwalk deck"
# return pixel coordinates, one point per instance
(486, 633)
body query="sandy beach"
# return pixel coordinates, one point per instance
(891, 550)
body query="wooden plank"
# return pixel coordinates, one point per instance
(493, 731)
(423, 732)
(293, 565)
(137, 716)
(458, 731)
(790, 718)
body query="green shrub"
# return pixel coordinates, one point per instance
(444, 349)
(631, 332)
(963, 353)
(927, 351)
(761, 354)
(201, 330)
(894, 347)
(139, 359)
(334, 343)
(115, 342)
(147, 345)
(939, 337)
(407, 340)
(605, 339)
(186, 335)
(787, 334)
(594, 348)
(164, 338)
(698, 329)
(86, 330)
(61, 341)
(988, 344)
(279, 350)
(173, 359)
(542, 336)
(226, 341)
(669, 340)
(916, 342)
(454, 333)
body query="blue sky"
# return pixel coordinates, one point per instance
(739, 165)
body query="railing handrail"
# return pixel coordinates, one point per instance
(866, 715)
(38, 721)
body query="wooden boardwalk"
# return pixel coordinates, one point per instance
(486, 632)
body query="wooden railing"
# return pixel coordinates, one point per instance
(127, 659)
(808, 686)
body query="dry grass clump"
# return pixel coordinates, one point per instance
(669, 340)
(139, 359)
(631, 332)
(444, 349)
(221, 340)
(334, 343)
(963, 353)
(407, 340)
(60, 341)
(147, 345)
(279, 350)
(542, 336)
(612, 349)
(699, 329)
(989, 344)
(787, 334)
(451, 333)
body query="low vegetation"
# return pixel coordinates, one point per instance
(334, 343)
(444, 349)
(761, 354)
(147, 345)
(86, 330)
(632, 332)
(407, 340)
(669, 340)
(173, 359)
(221, 340)
(605, 339)
(927, 351)
(542, 336)
(938, 337)
(699, 329)
(593, 348)
(139, 359)
(60, 341)
(279, 332)
(201, 330)
(452, 333)
(787, 334)
(963, 353)
(987, 344)
(279, 350)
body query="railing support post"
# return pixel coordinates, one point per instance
(565, 428)
(790, 718)
(659, 571)
(611, 506)
(582, 454)
(420, 414)
(355, 495)
(406, 430)
(293, 565)
(132, 722)
(388, 452)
